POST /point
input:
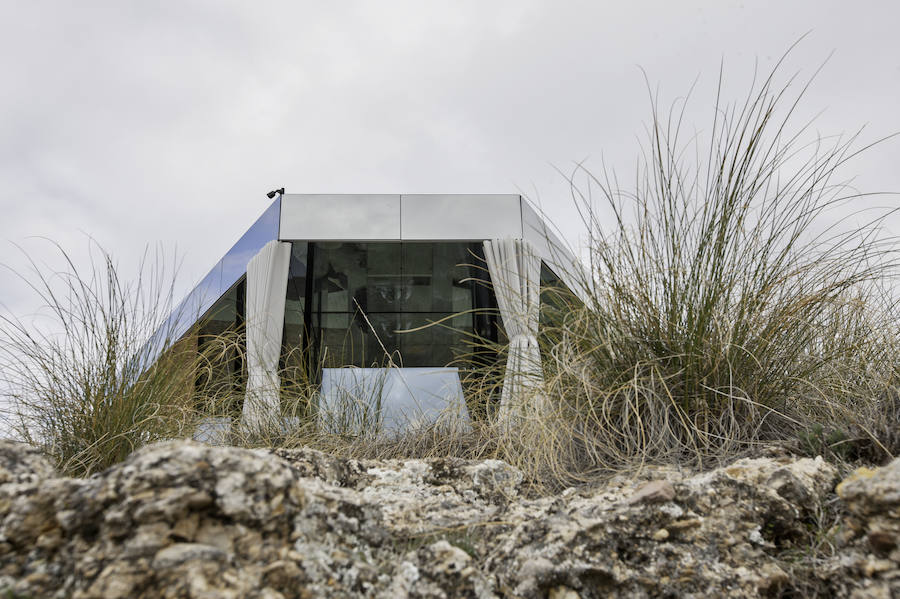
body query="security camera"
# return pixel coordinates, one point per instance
(272, 194)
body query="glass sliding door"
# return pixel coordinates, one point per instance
(415, 306)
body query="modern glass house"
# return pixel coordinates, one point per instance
(376, 292)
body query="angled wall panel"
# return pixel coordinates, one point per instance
(216, 283)
(554, 252)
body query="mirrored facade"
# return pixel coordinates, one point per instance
(410, 305)
(372, 281)
(200, 303)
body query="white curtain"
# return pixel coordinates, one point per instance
(267, 274)
(515, 270)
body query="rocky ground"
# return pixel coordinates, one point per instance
(182, 519)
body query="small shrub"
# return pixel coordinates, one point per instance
(817, 440)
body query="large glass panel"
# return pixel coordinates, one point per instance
(221, 346)
(339, 276)
(413, 306)
(341, 340)
(384, 288)
(416, 305)
(295, 304)
(418, 271)
(415, 340)
(222, 315)
(555, 296)
(434, 339)
(382, 339)
(437, 276)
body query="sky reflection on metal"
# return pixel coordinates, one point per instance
(220, 279)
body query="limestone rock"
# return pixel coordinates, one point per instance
(22, 464)
(655, 491)
(182, 519)
(872, 496)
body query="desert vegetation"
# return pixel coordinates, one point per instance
(718, 316)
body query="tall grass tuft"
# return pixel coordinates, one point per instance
(75, 374)
(723, 309)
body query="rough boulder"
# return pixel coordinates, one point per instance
(182, 519)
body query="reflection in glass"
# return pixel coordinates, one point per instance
(220, 343)
(373, 401)
(389, 295)
(220, 279)
(295, 301)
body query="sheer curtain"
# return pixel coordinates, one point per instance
(515, 271)
(267, 274)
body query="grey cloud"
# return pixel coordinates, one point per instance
(166, 122)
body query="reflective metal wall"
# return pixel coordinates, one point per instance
(347, 217)
(363, 218)
(219, 280)
(553, 251)
(353, 296)
(446, 217)
(400, 217)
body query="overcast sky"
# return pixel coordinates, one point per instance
(141, 122)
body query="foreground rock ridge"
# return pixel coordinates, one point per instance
(183, 519)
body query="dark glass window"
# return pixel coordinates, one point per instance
(371, 302)
(221, 345)
(295, 301)
(556, 299)
(437, 277)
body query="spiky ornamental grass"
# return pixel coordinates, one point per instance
(721, 312)
(75, 374)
